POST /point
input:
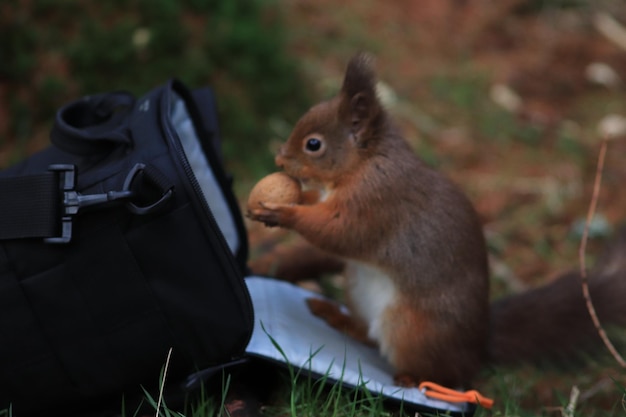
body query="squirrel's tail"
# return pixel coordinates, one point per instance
(552, 321)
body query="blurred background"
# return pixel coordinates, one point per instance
(510, 98)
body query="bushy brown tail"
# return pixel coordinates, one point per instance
(552, 321)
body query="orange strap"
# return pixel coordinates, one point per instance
(432, 390)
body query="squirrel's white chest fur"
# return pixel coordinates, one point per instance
(371, 292)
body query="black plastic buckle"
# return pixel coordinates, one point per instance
(73, 201)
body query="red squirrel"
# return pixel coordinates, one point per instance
(413, 247)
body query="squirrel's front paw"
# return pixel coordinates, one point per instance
(270, 214)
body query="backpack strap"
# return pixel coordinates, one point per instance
(30, 206)
(43, 205)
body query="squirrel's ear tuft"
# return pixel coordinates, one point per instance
(359, 105)
(360, 75)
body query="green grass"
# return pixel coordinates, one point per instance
(204, 405)
(524, 391)
(301, 395)
(309, 396)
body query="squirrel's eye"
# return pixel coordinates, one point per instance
(313, 144)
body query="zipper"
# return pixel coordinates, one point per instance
(216, 235)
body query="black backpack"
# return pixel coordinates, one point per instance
(119, 242)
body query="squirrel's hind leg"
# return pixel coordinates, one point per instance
(424, 348)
